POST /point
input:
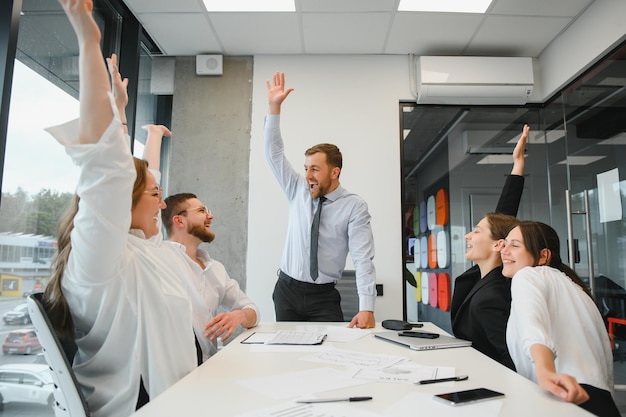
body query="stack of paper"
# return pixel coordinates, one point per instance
(290, 337)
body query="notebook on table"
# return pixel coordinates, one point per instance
(416, 343)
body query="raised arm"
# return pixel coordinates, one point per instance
(120, 90)
(95, 106)
(152, 150)
(518, 152)
(276, 92)
(511, 194)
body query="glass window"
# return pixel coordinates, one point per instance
(31, 380)
(146, 101)
(455, 162)
(575, 181)
(10, 377)
(153, 107)
(38, 177)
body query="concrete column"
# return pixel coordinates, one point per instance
(210, 151)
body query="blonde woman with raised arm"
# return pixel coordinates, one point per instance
(119, 295)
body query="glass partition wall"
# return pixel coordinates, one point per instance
(575, 180)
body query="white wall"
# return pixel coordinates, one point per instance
(351, 101)
(601, 28)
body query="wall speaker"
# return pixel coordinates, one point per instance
(209, 64)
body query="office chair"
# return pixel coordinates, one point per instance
(69, 399)
(348, 292)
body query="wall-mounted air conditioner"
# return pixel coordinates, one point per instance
(474, 80)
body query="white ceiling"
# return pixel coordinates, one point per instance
(509, 28)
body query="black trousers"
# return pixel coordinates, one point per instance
(302, 301)
(600, 402)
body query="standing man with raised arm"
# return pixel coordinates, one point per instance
(319, 209)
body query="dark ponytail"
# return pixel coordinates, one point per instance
(538, 236)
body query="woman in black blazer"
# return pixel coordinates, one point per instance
(481, 300)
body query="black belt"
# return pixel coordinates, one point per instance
(309, 285)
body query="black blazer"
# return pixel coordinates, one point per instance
(480, 308)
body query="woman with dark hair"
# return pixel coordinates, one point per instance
(482, 298)
(122, 297)
(555, 334)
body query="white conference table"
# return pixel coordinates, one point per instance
(215, 389)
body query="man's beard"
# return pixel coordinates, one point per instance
(201, 232)
(319, 192)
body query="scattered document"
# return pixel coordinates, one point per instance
(258, 338)
(341, 333)
(316, 380)
(354, 359)
(285, 337)
(265, 348)
(405, 372)
(290, 337)
(291, 409)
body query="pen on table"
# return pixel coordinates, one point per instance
(434, 381)
(332, 400)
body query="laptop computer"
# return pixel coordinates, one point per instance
(416, 343)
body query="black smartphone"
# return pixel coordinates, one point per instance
(423, 335)
(468, 396)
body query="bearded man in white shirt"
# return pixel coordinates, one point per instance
(188, 224)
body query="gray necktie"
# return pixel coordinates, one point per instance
(315, 232)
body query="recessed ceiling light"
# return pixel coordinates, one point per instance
(496, 160)
(250, 5)
(541, 137)
(451, 6)
(581, 160)
(619, 139)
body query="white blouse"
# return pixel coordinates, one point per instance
(548, 308)
(127, 295)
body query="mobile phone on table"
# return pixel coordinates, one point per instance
(422, 335)
(468, 396)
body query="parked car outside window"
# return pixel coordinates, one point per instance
(26, 383)
(21, 341)
(19, 315)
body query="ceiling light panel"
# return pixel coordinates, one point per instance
(450, 6)
(250, 5)
(581, 160)
(496, 160)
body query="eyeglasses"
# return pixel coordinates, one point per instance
(200, 209)
(155, 193)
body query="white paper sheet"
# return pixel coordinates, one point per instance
(354, 359)
(291, 409)
(264, 348)
(409, 405)
(406, 372)
(311, 381)
(341, 333)
(609, 198)
(290, 337)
